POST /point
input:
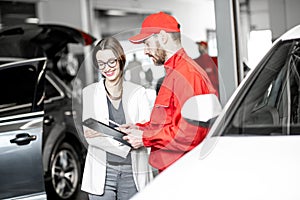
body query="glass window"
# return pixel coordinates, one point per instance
(271, 106)
(17, 85)
(50, 90)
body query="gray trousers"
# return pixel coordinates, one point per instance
(119, 184)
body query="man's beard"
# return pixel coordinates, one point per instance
(159, 56)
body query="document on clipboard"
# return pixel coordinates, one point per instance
(106, 130)
(112, 141)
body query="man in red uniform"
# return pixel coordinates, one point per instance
(167, 133)
(209, 64)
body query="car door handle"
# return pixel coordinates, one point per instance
(23, 139)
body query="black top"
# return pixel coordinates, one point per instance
(116, 115)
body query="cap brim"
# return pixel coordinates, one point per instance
(139, 38)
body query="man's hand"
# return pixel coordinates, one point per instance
(125, 127)
(134, 137)
(89, 133)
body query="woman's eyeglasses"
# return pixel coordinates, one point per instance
(111, 63)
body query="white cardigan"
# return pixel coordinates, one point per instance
(136, 109)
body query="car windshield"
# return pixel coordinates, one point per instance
(270, 103)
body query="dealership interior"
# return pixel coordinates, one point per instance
(238, 32)
(50, 43)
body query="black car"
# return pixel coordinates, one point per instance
(39, 145)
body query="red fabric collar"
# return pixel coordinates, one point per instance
(170, 63)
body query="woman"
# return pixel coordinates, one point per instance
(111, 173)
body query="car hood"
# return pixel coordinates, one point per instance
(26, 41)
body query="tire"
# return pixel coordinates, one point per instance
(65, 173)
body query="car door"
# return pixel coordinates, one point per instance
(21, 129)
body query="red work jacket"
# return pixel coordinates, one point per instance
(167, 133)
(209, 64)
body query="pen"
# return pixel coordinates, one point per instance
(115, 123)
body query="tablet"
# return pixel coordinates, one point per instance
(105, 129)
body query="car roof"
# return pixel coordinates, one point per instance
(27, 40)
(293, 33)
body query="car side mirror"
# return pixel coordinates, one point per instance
(201, 110)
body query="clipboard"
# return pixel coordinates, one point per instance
(105, 129)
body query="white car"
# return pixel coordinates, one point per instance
(253, 148)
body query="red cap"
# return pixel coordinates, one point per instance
(203, 43)
(153, 24)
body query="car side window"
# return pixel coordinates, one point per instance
(17, 88)
(51, 91)
(271, 106)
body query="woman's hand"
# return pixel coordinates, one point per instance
(89, 133)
